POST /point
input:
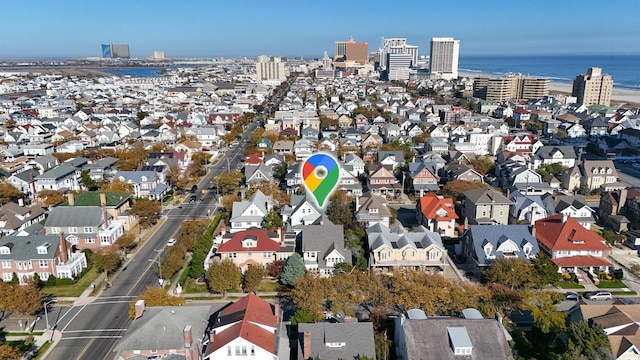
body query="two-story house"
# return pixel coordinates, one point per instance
(61, 178)
(299, 213)
(372, 209)
(45, 255)
(146, 184)
(422, 178)
(382, 180)
(550, 154)
(482, 245)
(249, 213)
(322, 246)
(598, 173)
(85, 227)
(398, 248)
(253, 247)
(437, 214)
(14, 217)
(486, 207)
(576, 207)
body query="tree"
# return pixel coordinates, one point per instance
(546, 272)
(555, 170)
(156, 297)
(106, 261)
(293, 270)
(117, 185)
(302, 316)
(586, 342)
(175, 178)
(311, 293)
(9, 193)
(125, 242)
(483, 165)
(279, 196)
(50, 197)
(173, 262)
(228, 200)
(340, 212)
(512, 272)
(253, 277)
(542, 305)
(140, 115)
(87, 181)
(147, 211)
(130, 159)
(275, 268)
(455, 188)
(199, 255)
(272, 220)
(26, 300)
(223, 276)
(229, 183)
(8, 352)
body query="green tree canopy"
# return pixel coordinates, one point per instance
(586, 342)
(223, 276)
(293, 270)
(340, 212)
(273, 220)
(105, 260)
(253, 277)
(512, 272)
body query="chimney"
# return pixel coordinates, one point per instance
(623, 200)
(21, 202)
(564, 218)
(306, 345)
(276, 310)
(357, 202)
(533, 230)
(70, 199)
(64, 256)
(212, 336)
(188, 337)
(139, 307)
(103, 199)
(348, 319)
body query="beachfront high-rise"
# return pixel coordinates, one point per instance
(593, 88)
(444, 57)
(115, 51)
(350, 52)
(397, 46)
(270, 70)
(512, 86)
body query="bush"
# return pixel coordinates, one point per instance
(64, 282)
(618, 274)
(51, 281)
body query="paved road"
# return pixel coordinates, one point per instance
(90, 330)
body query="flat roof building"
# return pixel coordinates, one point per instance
(444, 57)
(512, 86)
(115, 51)
(593, 88)
(350, 52)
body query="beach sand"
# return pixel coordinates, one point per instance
(618, 96)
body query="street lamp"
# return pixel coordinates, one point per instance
(157, 261)
(46, 314)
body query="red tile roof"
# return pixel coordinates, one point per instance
(263, 242)
(581, 261)
(253, 159)
(569, 235)
(248, 331)
(430, 204)
(256, 310)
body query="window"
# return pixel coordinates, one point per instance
(88, 229)
(5, 250)
(89, 240)
(253, 350)
(266, 255)
(233, 255)
(44, 276)
(7, 276)
(6, 264)
(228, 350)
(43, 263)
(55, 230)
(72, 229)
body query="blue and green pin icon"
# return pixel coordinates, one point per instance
(320, 173)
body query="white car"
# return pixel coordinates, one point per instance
(171, 242)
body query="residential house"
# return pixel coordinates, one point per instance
(372, 209)
(486, 206)
(527, 208)
(572, 247)
(146, 184)
(250, 213)
(482, 245)
(322, 246)
(464, 172)
(24, 181)
(422, 178)
(437, 214)
(550, 154)
(15, 217)
(353, 164)
(118, 205)
(256, 174)
(576, 207)
(450, 338)
(571, 178)
(618, 208)
(397, 248)
(392, 158)
(382, 181)
(61, 178)
(598, 173)
(436, 145)
(85, 227)
(45, 255)
(336, 340)
(252, 247)
(245, 328)
(283, 147)
(595, 127)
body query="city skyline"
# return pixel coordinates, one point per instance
(210, 29)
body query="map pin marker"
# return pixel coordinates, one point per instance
(320, 173)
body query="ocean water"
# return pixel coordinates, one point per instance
(624, 69)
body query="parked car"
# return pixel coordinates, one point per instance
(598, 295)
(171, 242)
(572, 296)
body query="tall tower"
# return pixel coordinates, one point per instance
(350, 51)
(593, 88)
(397, 46)
(444, 57)
(270, 71)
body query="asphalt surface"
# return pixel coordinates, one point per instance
(90, 330)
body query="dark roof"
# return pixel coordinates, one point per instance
(356, 336)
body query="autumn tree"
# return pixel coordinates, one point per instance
(293, 270)
(50, 197)
(130, 159)
(515, 273)
(279, 196)
(253, 277)
(173, 262)
(147, 211)
(455, 188)
(483, 165)
(155, 297)
(340, 212)
(117, 185)
(275, 268)
(9, 193)
(273, 220)
(175, 177)
(310, 293)
(125, 242)
(229, 183)
(106, 261)
(545, 270)
(223, 276)
(228, 200)
(26, 300)
(542, 305)
(8, 352)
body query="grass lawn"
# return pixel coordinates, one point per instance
(42, 349)
(566, 285)
(611, 285)
(192, 287)
(614, 293)
(269, 286)
(73, 290)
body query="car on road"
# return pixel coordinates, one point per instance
(171, 242)
(572, 296)
(192, 198)
(598, 295)
(194, 188)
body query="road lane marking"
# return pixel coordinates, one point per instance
(74, 317)
(92, 338)
(92, 330)
(109, 302)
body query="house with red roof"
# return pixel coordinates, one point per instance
(252, 247)
(253, 159)
(244, 328)
(437, 214)
(571, 246)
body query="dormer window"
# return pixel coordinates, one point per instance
(5, 250)
(609, 171)
(527, 249)
(487, 250)
(373, 210)
(42, 249)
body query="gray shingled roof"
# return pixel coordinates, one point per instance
(325, 238)
(75, 216)
(420, 237)
(480, 235)
(546, 152)
(358, 337)
(25, 247)
(486, 196)
(57, 172)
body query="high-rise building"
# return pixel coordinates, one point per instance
(270, 70)
(512, 86)
(158, 55)
(397, 46)
(443, 59)
(114, 51)
(593, 88)
(350, 51)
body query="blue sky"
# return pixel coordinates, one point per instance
(208, 28)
